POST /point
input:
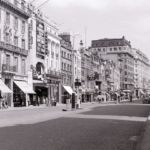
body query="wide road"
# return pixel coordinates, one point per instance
(95, 127)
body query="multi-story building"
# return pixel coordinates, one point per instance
(14, 50)
(44, 56)
(141, 72)
(120, 52)
(66, 66)
(85, 72)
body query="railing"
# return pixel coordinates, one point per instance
(6, 67)
(13, 48)
(53, 73)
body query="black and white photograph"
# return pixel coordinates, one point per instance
(74, 75)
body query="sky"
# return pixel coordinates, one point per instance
(98, 19)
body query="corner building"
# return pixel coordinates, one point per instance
(120, 52)
(14, 50)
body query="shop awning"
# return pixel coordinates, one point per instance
(142, 92)
(68, 89)
(107, 94)
(4, 88)
(24, 87)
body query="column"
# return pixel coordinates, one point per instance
(59, 90)
(11, 97)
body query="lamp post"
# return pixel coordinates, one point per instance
(73, 68)
(73, 71)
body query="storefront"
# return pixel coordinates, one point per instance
(49, 89)
(22, 93)
(66, 93)
(7, 86)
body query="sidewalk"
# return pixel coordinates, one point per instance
(30, 107)
(146, 138)
(58, 105)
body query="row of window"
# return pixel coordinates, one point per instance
(64, 54)
(66, 67)
(111, 49)
(16, 22)
(8, 62)
(14, 41)
(66, 80)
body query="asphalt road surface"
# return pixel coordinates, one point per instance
(103, 127)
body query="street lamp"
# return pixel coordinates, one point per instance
(73, 72)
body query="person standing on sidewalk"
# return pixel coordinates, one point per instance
(38, 101)
(52, 101)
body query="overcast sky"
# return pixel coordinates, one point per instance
(103, 19)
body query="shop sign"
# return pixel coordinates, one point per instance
(30, 79)
(36, 75)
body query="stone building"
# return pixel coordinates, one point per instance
(66, 66)
(120, 52)
(14, 17)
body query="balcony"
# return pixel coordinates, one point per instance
(53, 73)
(13, 48)
(6, 67)
(18, 8)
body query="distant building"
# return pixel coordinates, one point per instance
(120, 52)
(141, 72)
(66, 65)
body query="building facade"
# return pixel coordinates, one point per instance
(44, 57)
(120, 52)
(141, 72)
(14, 49)
(66, 65)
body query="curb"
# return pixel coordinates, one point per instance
(145, 145)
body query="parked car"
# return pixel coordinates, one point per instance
(146, 100)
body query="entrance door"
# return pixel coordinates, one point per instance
(8, 95)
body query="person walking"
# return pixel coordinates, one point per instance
(38, 101)
(3, 103)
(52, 101)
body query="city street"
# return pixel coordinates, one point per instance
(96, 126)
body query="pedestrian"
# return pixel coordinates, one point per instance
(55, 102)
(6, 102)
(3, 102)
(38, 101)
(34, 100)
(52, 101)
(46, 101)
